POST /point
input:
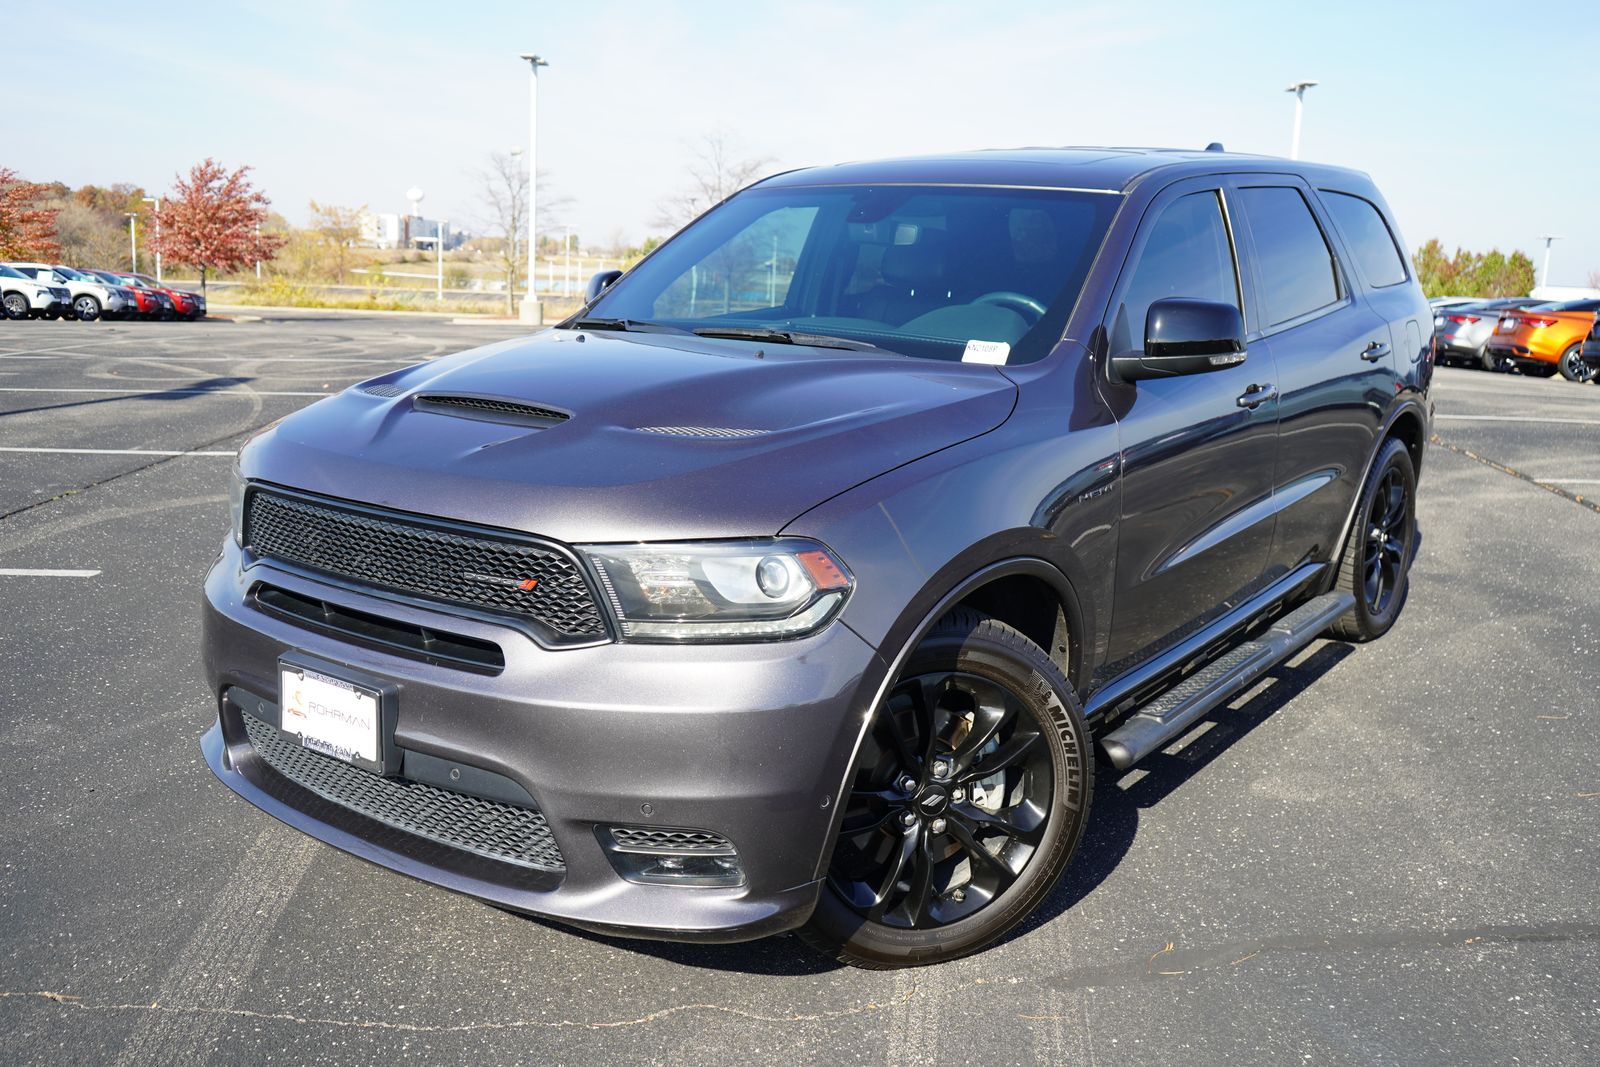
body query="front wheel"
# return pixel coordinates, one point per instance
(86, 307)
(16, 305)
(1573, 368)
(968, 798)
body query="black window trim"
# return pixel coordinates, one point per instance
(1341, 280)
(1215, 184)
(1394, 242)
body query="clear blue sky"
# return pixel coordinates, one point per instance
(1478, 121)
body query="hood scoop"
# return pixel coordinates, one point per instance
(491, 409)
(389, 389)
(703, 431)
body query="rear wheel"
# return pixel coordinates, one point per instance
(967, 800)
(1573, 368)
(1487, 359)
(1377, 556)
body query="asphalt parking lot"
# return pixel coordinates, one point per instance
(1381, 854)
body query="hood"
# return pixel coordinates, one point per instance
(633, 436)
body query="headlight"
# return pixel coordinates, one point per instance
(727, 591)
(236, 504)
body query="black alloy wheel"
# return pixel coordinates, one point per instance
(1573, 368)
(967, 799)
(1376, 566)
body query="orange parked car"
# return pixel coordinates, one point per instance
(1545, 340)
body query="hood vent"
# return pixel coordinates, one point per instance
(491, 409)
(382, 389)
(703, 431)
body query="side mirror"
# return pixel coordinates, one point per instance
(599, 284)
(1184, 336)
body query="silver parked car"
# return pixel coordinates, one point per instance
(24, 296)
(88, 297)
(1461, 332)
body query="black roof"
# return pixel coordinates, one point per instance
(1100, 169)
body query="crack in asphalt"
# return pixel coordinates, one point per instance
(1576, 498)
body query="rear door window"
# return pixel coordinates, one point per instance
(1188, 254)
(1292, 258)
(1369, 238)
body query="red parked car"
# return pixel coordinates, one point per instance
(152, 303)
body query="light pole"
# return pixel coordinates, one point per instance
(531, 311)
(1544, 274)
(258, 251)
(133, 240)
(156, 200)
(438, 247)
(1299, 90)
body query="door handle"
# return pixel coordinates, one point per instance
(1257, 395)
(1375, 351)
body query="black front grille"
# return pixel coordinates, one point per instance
(386, 550)
(486, 828)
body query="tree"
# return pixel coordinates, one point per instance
(1467, 273)
(91, 238)
(503, 191)
(27, 226)
(210, 221)
(717, 173)
(339, 228)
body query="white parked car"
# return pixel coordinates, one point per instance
(23, 296)
(90, 297)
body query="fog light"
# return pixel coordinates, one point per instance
(670, 856)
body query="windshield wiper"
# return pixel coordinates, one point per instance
(625, 325)
(784, 337)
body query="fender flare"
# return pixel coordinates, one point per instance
(1409, 405)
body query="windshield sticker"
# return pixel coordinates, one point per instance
(995, 352)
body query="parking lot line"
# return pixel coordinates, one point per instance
(224, 359)
(40, 572)
(1517, 418)
(113, 451)
(1570, 481)
(155, 392)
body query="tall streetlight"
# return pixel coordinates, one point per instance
(156, 200)
(1299, 90)
(1548, 239)
(531, 311)
(133, 240)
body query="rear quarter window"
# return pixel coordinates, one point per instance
(1369, 237)
(1293, 260)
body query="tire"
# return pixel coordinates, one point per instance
(16, 305)
(1377, 569)
(86, 308)
(997, 704)
(1488, 361)
(1573, 368)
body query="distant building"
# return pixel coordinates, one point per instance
(406, 231)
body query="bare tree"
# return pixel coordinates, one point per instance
(91, 238)
(718, 171)
(503, 192)
(339, 228)
(1594, 279)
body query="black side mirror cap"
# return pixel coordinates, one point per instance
(599, 283)
(1184, 336)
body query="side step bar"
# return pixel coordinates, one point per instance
(1171, 713)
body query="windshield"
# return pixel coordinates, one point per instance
(68, 274)
(7, 272)
(915, 270)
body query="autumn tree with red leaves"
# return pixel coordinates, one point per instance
(27, 231)
(209, 221)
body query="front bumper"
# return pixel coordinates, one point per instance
(747, 741)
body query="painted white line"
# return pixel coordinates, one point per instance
(1518, 418)
(113, 451)
(155, 392)
(1570, 481)
(35, 572)
(227, 359)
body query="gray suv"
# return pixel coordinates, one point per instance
(803, 578)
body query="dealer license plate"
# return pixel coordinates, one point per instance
(330, 715)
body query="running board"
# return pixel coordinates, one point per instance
(1172, 712)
